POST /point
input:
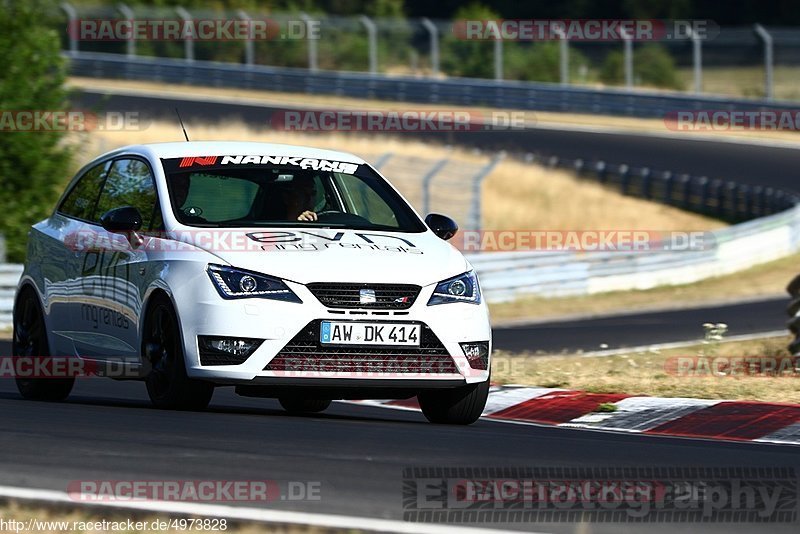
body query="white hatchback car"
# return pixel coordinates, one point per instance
(287, 272)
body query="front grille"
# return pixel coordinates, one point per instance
(305, 353)
(387, 296)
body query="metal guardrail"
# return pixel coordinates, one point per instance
(510, 275)
(503, 94)
(722, 199)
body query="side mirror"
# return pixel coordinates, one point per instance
(122, 220)
(441, 225)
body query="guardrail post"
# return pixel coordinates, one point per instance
(602, 171)
(188, 42)
(746, 201)
(628, 57)
(686, 188)
(758, 201)
(498, 58)
(704, 190)
(730, 199)
(426, 184)
(372, 36)
(433, 31)
(477, 182)
(72, 18)
(668, 180)
(131, 42)
(769, 201)
(719, 194)
(313, 56)
(624, 175)
(646, 178)
(768, 59)
(578, 166)
(249, 48)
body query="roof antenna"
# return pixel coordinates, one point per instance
(182, 126)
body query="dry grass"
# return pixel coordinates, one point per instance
(746, 81)
(653, 373)
(516, 196)
(541, 118)
(521, 196)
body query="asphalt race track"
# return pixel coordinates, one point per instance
(637, 329)
(107, 431)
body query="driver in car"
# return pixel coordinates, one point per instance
(298, 197)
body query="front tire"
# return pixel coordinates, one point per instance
(168, 385)
(296, 405)
(30, 341)
(458, 406)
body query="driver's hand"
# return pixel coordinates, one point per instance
(308, 216)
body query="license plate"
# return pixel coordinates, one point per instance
(344, 333)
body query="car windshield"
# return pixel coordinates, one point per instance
(253, 195)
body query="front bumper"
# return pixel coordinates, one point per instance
(278, 323)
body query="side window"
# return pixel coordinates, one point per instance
(79, 203)
(129, 183)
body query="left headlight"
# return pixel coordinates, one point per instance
(461, 288)
(234, 283)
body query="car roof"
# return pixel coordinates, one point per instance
(233, 148)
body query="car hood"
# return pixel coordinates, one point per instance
(333, 255)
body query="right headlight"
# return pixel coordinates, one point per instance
(232, 283)
(461, 288)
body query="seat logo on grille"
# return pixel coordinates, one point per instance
(367, 296)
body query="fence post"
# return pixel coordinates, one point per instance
(249, 49)
(768, 60)
(563, 55)
(72, 17)
(313, 58)
(498, 58)
(697, 60)
(477, 182)
(131, 43)
(188, 42)
(426, 184)
(433, 31)
(372, 36)
(628, 59)
(383, 160)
